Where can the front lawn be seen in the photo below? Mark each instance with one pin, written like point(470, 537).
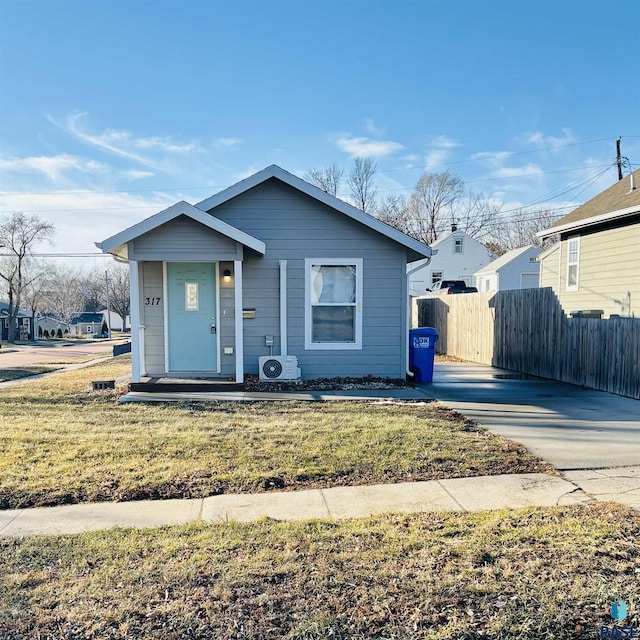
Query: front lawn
point(23, 372)
point(62, 443)
point(529, 574)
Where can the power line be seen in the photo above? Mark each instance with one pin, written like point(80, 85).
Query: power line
point(155, 206)
point(383, 171)
point(61, 255)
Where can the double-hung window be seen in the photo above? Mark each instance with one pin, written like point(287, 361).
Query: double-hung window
point(573, 262)
point(333, 310)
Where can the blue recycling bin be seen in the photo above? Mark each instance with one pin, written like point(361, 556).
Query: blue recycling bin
point(422, 351)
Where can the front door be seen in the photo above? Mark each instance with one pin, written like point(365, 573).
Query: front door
point(192, 317)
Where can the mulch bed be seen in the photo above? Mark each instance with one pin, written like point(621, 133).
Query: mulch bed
point(253, 383)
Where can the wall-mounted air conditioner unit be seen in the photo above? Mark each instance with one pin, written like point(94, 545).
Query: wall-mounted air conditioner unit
point(279, 368)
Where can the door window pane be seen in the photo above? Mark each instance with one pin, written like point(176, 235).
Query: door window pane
point(191, 296)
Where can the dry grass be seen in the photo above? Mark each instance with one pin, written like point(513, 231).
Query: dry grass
point(63, 359)
point(530, 574)
point(61, 443)
point(24, 372)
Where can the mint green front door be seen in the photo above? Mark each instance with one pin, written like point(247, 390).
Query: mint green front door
point(192, 317)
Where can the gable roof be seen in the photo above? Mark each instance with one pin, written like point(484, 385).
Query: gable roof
point(617, 202)
point(452, 234)
point(416, 249)
point(507, 258)
point(87, 317)
point(116, 244)
point(4, 310)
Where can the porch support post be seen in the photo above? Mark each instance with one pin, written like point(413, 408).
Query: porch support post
point(137, 330)
point(237, 276)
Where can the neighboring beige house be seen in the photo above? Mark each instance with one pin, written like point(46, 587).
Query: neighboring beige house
point(596, 264)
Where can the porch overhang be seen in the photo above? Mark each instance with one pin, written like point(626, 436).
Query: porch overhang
point(118, 245)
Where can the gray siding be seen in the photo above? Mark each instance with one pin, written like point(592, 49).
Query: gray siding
point(226, 322)
point(294, 227)
point(152, 318)
point(184, 239)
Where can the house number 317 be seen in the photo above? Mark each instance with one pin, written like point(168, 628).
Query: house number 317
point(151, 302)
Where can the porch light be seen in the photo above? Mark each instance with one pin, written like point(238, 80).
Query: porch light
point(226, 276)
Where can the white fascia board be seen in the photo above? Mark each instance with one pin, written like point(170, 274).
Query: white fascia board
point(587, 222)
point(275, 171)
point(112, 244)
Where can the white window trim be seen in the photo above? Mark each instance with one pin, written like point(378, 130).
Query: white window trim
point(455, 245)
point(334, 346)
point(573, 287)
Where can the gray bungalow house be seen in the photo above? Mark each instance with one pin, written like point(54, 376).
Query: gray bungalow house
point(271, 276)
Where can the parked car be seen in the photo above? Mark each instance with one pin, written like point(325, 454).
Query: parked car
point(448, 287)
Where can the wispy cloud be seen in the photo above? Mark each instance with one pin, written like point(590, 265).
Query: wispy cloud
point(494, 157)
point(367, 148)
point(518, 172)
point(435, 158)
point(53, 167)
point(444, 142)
point(82, 217)
point(496, 162)
point(227, 143)
point(125, 144)
point(438, 152)
point(372, 128)
point(137, 175)
point(540, 139)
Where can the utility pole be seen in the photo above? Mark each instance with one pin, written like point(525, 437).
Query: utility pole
point(619, 159)
point(106, 278)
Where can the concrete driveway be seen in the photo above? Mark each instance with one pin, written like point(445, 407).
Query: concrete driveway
point(571, 427)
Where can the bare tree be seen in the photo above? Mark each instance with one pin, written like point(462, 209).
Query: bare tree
point(93, 286)
point(363, 191)
point(327, 178)
point(33, 292)
point(393, 211)
point(18, 235)
point(62, 293)
point(476, 214)
point(430, 209)
point(519, 229)
point(119, 294)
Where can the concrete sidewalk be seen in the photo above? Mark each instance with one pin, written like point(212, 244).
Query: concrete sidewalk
point(458, 494)
point(404, 394)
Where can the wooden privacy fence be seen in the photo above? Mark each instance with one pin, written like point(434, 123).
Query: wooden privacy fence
point(527, 331)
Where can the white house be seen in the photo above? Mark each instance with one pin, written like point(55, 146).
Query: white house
point(115, 321)
point(456, 256)
point(516, 269)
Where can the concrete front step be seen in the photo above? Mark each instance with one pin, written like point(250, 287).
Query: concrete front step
point(174, 385)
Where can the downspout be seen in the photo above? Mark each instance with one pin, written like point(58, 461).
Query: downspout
point(408, 372)
point(283, 308)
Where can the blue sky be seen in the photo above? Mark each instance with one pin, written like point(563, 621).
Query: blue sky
point(111, 111)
